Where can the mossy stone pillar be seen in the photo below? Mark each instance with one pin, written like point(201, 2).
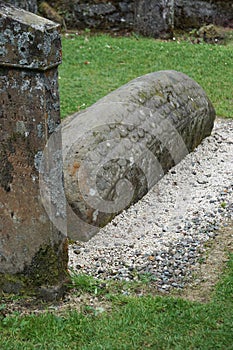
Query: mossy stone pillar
point(33, 251)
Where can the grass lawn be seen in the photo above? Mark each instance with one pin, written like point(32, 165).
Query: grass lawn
point(92, 67)
point(134, 323)
point(95, 65)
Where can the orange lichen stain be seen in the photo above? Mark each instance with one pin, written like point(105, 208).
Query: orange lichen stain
point(73, 169)
point(151, 258)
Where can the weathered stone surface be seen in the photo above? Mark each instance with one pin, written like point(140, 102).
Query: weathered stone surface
point(154, 18)
point(194, 14)
point(117, 149)
point(148, 17)
point(37, 48)
point(157, 18)
point(33, 252)
point(100, 15)
point(28, 5)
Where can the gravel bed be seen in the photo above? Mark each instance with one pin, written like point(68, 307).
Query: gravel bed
point(163, 236)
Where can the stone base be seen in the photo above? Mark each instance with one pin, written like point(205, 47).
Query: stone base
point(45, 278)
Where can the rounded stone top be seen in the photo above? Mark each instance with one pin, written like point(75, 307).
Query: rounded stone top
point(28, 40)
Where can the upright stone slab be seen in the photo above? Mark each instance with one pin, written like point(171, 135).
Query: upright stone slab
point(33, 252)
